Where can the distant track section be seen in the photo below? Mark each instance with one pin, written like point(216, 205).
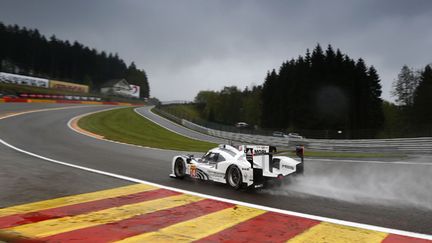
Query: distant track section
point(421, 145)
point(174, 127)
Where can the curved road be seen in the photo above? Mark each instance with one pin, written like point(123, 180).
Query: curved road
point(389, 195)
point(147, 113)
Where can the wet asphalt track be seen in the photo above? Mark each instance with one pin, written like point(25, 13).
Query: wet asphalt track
point(389, 195)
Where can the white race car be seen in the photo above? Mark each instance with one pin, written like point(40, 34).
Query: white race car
point(245, 166)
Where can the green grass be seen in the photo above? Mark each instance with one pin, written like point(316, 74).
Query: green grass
point(186, 111)
point(331, 154)
point(124, 125)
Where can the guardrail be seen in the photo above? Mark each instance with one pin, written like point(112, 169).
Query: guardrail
point(395, 145)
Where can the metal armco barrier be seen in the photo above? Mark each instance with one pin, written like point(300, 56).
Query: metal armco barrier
point(402, 145)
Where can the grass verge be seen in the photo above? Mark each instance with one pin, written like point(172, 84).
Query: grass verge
point(124, 125)
point(185, 111)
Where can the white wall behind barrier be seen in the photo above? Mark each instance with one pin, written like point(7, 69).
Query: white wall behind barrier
point(23, 80)
point(409, 145)
point(405, 145)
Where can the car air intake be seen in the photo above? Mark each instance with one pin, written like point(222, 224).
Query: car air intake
point(275, 163)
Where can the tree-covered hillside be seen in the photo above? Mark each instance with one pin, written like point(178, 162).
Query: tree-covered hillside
point(322, 90)
point(26, 51)
point(412, 90)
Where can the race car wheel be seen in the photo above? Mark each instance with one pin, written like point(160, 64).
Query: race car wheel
point(234, 177)
point(179, 168)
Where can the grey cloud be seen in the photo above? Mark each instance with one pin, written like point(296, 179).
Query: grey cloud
point(187, 46)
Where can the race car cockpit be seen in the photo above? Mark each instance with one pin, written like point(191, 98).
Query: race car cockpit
point(212, 158)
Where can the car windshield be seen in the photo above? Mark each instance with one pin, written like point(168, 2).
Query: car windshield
point(210, 157)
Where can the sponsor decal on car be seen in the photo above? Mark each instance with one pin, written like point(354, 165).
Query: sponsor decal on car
point(249, 154)
point(260, 152)
point(193, 171)
point(216, 174)
point(288, 167)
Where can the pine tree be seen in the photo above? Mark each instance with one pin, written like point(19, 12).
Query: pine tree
point(268, 99)
point(376, 112)
point(404, 86)
point(422, 111)
point(323, 90)
point(26, 51)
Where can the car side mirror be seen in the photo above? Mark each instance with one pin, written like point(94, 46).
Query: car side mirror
point(189, 158)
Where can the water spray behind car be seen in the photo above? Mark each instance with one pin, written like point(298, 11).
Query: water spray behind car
point(363, 182)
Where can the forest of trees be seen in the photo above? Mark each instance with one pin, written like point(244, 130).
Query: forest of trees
point(231, 105)
point(412, 113)
point(26, 51)
point(323, 90)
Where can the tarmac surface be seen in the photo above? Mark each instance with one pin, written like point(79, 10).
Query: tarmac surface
point(147, 113)
point(390, 194)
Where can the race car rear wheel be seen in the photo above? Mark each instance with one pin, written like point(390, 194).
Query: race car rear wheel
point(179, 168)
point(234, 177)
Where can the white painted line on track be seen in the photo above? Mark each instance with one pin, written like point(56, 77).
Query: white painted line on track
point(313, 217)
point(184, 135)
point(323, 160)
point(187, 128)
point(311, 159)
point(221, 138)
point(40, 110)
point(112, 141)
point(169, 129)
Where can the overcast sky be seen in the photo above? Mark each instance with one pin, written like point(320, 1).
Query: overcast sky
point(191, 45)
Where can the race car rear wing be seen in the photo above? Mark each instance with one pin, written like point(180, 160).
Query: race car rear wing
point(260, 156)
